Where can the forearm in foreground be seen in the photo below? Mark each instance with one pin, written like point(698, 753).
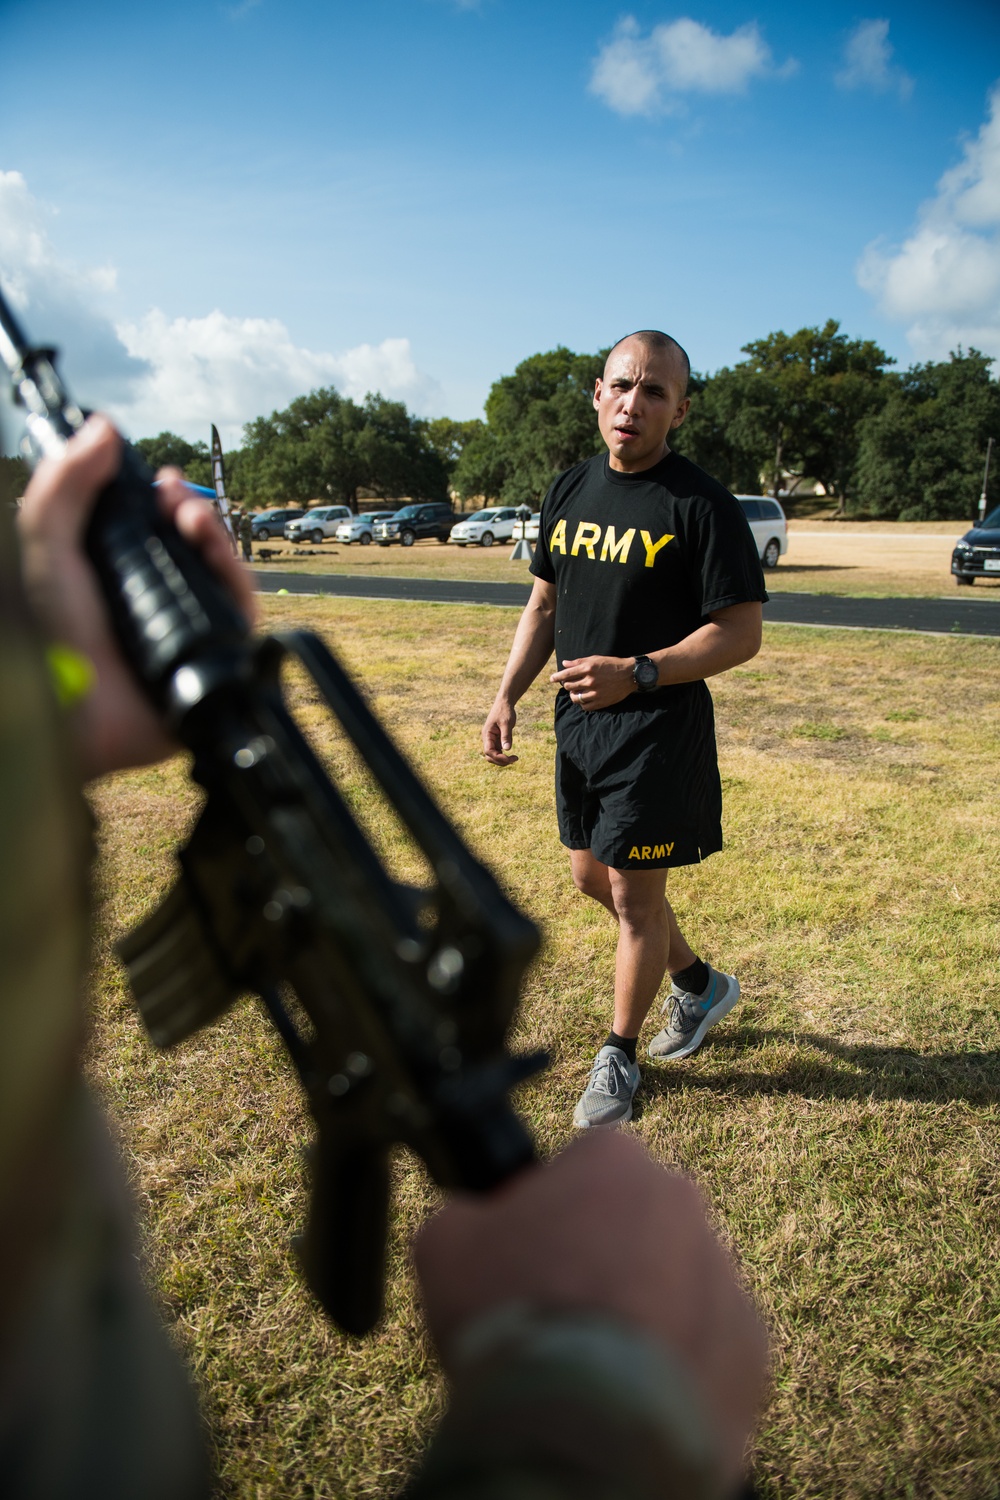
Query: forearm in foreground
point(558, 1406)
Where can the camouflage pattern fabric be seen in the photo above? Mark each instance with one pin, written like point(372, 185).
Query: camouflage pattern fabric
point(93, 1401)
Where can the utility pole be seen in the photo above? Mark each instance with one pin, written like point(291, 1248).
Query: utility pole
point(986, 480)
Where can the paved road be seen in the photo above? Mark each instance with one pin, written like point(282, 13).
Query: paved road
point(959, 616)
point(937, 616)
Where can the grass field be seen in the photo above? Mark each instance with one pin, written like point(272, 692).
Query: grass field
point(873, 559)
point(844, 1122)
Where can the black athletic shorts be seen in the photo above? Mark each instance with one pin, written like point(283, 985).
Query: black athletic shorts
point(638, 784)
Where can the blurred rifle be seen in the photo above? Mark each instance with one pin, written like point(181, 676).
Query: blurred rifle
point(402, 996)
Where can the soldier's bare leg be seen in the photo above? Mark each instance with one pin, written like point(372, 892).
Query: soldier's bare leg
point(649, 939)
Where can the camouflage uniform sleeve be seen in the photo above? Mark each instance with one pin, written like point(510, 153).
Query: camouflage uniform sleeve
point(93, 1401)
point(555, 1407)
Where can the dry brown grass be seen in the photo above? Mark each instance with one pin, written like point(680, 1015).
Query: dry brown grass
point(843, 1123)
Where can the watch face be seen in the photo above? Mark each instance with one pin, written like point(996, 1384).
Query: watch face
point(646, 674)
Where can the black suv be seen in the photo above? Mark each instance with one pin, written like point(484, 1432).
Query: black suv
point(415, 521)
point(977, 555)
point(272, 523)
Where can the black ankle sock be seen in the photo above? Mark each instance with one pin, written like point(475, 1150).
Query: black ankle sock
point(694, 978)
point(624, 1044)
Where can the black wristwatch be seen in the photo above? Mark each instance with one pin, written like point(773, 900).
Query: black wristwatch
point(646, 674)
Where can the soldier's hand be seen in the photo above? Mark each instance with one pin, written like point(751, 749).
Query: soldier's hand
point(113, 724)
point(602, 1228)
point(597, 681)
point(498, 734)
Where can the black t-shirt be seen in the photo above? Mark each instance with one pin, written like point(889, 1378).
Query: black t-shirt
point(640, 560)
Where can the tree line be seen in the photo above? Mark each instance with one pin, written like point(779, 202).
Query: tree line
point(814, 405)
point(326, 446)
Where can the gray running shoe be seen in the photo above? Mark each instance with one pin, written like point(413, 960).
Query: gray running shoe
point(611, 1087)
point(690, 1016)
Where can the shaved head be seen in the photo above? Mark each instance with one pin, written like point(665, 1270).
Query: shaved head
point(652, 338)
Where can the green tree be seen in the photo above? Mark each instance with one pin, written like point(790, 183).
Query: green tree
point(169, 449)
point(397, 454)
point(816, 386)
point(726, 431)
point(481, 467)
point(305, 452)
point(449, 438)
point(539, 421)
point(324, 445)
point(920, 458)
point(232, 462)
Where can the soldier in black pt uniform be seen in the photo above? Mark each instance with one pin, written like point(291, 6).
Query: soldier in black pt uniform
point(647, 581)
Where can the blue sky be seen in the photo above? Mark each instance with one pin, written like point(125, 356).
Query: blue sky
point(214, 206)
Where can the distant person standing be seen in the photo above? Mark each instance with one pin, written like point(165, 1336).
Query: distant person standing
point(647, 581)
point(246, 535)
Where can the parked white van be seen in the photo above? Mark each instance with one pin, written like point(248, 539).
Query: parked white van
point(769, 527)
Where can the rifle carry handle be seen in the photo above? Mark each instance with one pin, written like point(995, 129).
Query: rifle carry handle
point(167, 607)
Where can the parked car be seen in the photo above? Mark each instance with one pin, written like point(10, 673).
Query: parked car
point(527, 530)
point(359, 528)
point(317, 524)
point(271, 523)
point(769, 527)
point(486, 527)
point(977, 553)
point(415, 521)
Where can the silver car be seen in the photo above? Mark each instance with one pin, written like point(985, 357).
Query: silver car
point(316, 525)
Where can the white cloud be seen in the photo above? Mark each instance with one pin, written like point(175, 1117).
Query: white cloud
point(387, 367)
point(180, 374)
point(61, 303)
point(227, 370)
point(645, 75)
point(944, 280)
point(868, 62)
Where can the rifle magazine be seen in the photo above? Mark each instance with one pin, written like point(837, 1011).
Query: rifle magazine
point(177, 980)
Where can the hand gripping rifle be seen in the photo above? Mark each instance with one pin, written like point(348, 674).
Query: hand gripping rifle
point(404, 995)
